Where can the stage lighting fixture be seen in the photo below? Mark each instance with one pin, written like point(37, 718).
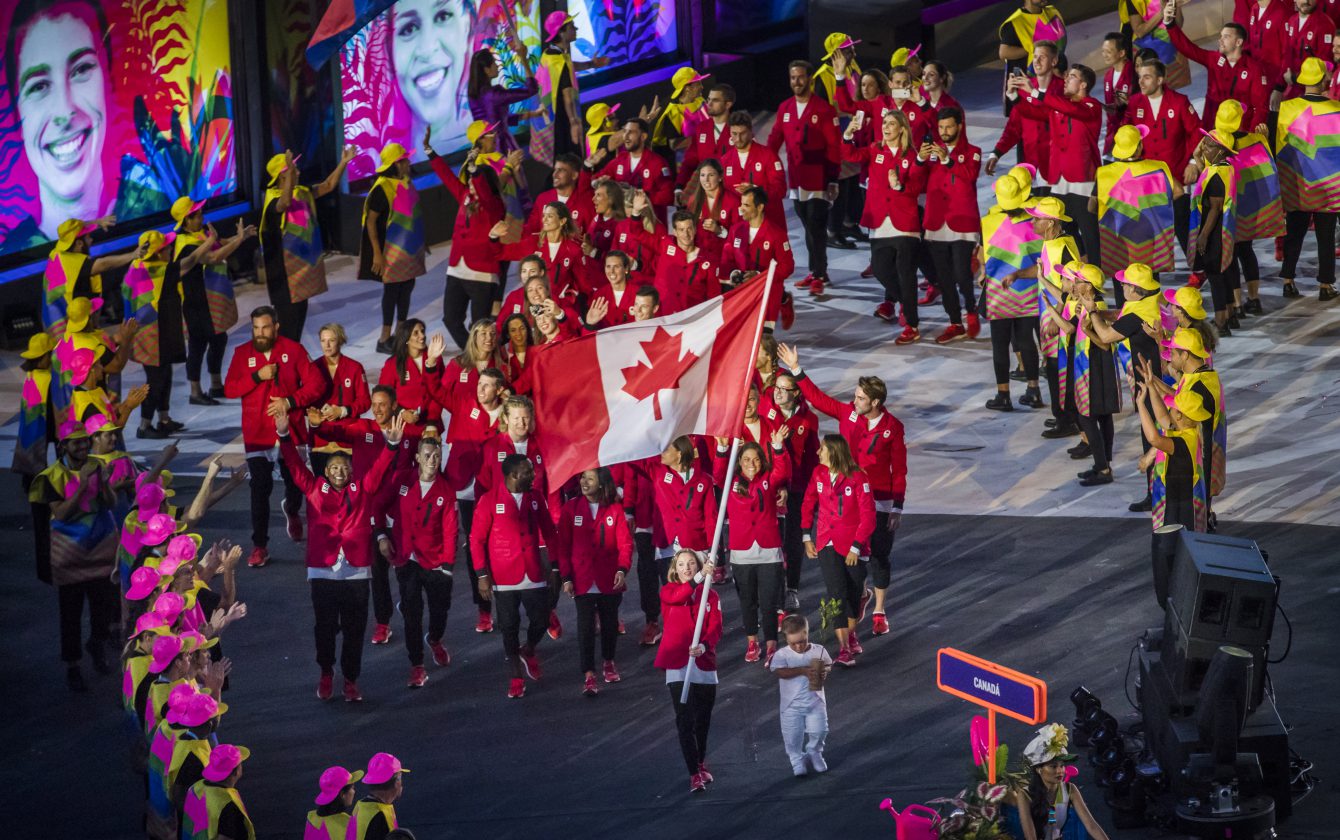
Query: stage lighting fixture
point(1120, 777)
point(1105, 731)
point(1110, 756)
point(1163, 550)
point(1086, 705)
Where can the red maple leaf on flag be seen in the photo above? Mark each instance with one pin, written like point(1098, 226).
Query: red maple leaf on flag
point(662, 374)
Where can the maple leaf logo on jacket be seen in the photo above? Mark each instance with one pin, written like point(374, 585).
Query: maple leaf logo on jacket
point(662, 374)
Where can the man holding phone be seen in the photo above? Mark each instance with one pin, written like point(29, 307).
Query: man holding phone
point(1031, 137)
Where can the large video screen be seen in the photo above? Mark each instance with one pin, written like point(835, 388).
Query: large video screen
point(409, 69)
point(110, 107)
point(626, 32)
point(742, 17)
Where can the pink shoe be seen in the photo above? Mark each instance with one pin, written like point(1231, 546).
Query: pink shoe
point(531, 663)
point(555, 627)
point(705, 774)
point(589, 687)
point(879, 625)
point(696, 783)
point(325, 687)
point(751, 652)
point(854, 644)
point(845, 658)
point(381, 634)
point(441, 656)
point(417, 677)
point(516, 689)
point(611, 673)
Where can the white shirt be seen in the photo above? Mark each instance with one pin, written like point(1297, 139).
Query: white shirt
point(342, 570)
point(794, 692)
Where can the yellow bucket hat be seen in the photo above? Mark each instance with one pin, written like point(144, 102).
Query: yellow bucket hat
point(1127, 141)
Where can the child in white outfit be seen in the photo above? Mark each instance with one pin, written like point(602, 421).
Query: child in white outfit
point(804, 711)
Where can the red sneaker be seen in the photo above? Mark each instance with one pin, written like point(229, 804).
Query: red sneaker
point(611, 673)
point(884, 311)
point(485, 622)
point(781, 615)
point(325, 687)
point(651, 634)
point(772, 651)
point(931, 296)
point(696, 783)
point(879, 625)
point(867, 272)
point(516, 689)
point(751, 652)
point(441, 656)
point(704, 773)
point(531, 663)
point(866, 595)
point(902, 319)
point(974, 325)
point(259, 557)
point(910, 335)
point(854, 644)
point(788, 310)
point(805, 283)
point(845, 658)
point(418, 675)
point(718, 575)
point(381, 634)
point(1196, 280)
point(953, 332)
point(817, 287)
point(589, 686)
point(351, 692)
point(293, 521)
point(623, 631)
point(555, 627)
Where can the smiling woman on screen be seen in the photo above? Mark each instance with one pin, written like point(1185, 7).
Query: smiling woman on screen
point(430, 51)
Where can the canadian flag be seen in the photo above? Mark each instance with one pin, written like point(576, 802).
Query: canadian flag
point(623, 393)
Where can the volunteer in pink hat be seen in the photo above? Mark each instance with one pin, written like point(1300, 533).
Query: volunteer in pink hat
point(178, 755)
point(330, 819)
point(374, 815)
point(558, 86)
point(212, 807)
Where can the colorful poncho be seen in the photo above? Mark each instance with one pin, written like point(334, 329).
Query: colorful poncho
point(1159, 484)
point(1010, 246)
point(303, 266)
point(1050, 262)
point(141, 290)
point(1228, 221)
point(1259, 211)
point(58, 287)
point(550, 75)
point(404, 248)
point(1135, 215)
point(1030, 28)
point(31, 445)
point(1307, 145)
point(1178, 70)
point(218, 285)
point(1218, 466)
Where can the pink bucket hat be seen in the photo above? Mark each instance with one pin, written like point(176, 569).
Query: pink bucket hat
point(382, 767)
point(149, 496)
point(169, 605)
point(150, 621)
point(554, 23)
point(333, 781)
point(165, 650)
point(196, 711)
point(223, 760)
point(158, 530)
point(144, 582)
point(180, 695)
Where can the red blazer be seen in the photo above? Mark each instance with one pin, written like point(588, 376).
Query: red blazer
point(475, 217)
point(1249, 81)
point(761, 168)
point(619, 312)
point(883, 201)
point(348, 388)
point(640, 246)
point(1074, 128)
point(580, 202)
point(679, 615)
point(455, 377)
point(1303, 39)
point(841, 512)
point(364, 437)
point(880, 452)
point(752, 507)
point(425, 525)
point(1035, 136)
point(1174, 132)
point(338, 520)
point(592, 548)
point(495, 449)
point(770, 244)
point(471, 425)
point(725, 212)
point(706, 141)
point(1265, 31)
point(599, 232)
point(651, 175)
point(635, 493)
point(412, 388)
point(922, 119)
point(566, 266)
point(515, 304)
point(1114, 83)
point(951, 190)
point(873, 110)
point(505, 538)
point(685, 282)
point(811, 139)
point(295, 380)
point(803, 445)
point(685, 511)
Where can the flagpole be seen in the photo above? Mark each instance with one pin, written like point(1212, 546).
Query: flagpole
point(725, 487)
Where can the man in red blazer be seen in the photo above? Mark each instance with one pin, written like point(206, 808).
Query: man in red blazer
point(953, 224)
point(638, 166)
point(709, 137)
point(1174, 131)
point(749, 164)
point(572, 186)
point(686, 274)
point(754, 244)
point(272, 375)
point(509, 522)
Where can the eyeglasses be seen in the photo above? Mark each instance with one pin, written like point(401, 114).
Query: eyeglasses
point(784, 390)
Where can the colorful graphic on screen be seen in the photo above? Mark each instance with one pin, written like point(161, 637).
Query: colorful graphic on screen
point(408, 70)
point(624, 31)
point(110, 107)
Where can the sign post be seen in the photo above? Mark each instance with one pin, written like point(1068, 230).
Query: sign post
point(995, 688)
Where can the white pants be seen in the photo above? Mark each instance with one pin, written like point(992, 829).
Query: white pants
point(804, 730)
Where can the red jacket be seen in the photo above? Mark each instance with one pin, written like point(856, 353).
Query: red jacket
point(770, 244)
point(640, 246)
point(580, 201)
point(620, 310)
point(751, 507)
point(1074, 127)
point(1249, 81)
point(348, 387)
point(295, 380)
point(412, 390)
point(338, 520)
point(1309, 38)
point(880, 452)
point(725, 212)
point(425, 524)
point(679, 616)
point(565, 264)
point(762, 168)
point(803, 445)
point(685, 282)
point(811, 138)
point(505, 538)
point(471, 425)
point(1174, 132)
point(492, 453)
point(599, 232)
point(365, 438)
point(651, 175)
point(1265, 31)
point(635, 493)
point(921, 117)
point(873, 119)
point(707, 141)
point(686, 511)
point(1113, 84)
point(516, 304)
point(475, 217)
point(840, 511)
point(593, 547)
point(951, 190)
point(1035, 135)
point(882, 201)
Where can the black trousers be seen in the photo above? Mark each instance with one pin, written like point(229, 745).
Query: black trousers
point(103, 609)
point(395, 301)
point(1297, 222)
point(813, 215)
point(588, 607)
point(41, 515)
point(1098, 430)
point(536, 603)
point(648, 577)
point(382, 604)
point(953, 264)
point(844, 583)
point(793, 538)
point(881, 552)
point(466, 511)
point(759, 586)
point(1181, 218)
point(418, 585)
point(341, 607)
point(894, 261)
point(262, 481)
point(693, 719)
point(159, 380)
point(1085, 225)
point(1064, 412)
point(461, 295)
point(1016, 332)
point(292, 316)
point(844, 213)
point(205, 350)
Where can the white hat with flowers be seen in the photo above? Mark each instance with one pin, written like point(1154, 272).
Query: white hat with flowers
point(1048, 745)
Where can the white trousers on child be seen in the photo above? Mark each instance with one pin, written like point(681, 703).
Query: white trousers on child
point(804, 730)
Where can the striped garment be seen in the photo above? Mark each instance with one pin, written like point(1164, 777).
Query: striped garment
point(1228, 221)
point(1260, 213)
point(218, 285)
point(303, 266)
point(1009, 246)
point(1158, 487)
point(1308, 148)
point(1135, 215)
point(404, 248)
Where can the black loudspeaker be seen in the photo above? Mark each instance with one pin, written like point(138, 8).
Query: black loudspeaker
point(1188, 661)
point(1164, 551)
point(1222, 590)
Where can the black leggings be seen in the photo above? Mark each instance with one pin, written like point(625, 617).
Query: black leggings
point(894, 261)
point(844, 214)
point(41, 516)
point(475, 294)
point(205, 350)
point(793, 538)
point(382, 604)
point(262, 479)
point(881, 552)
point(845, 584)
point(588, 606)
point(1098, 429)
point(648, 581)
point(1085, 225)
point(759, 586)
point(466, 511)
point(813, 216)
point(693, 719)
point(159, 380)
point(1297, 222)
point(341, 608)
point(1018, 332)
point(103, 605)
point(953, 265)
point(395, 301)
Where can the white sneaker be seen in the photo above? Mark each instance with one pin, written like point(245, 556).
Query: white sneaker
point(817, 762)
point(798, 767)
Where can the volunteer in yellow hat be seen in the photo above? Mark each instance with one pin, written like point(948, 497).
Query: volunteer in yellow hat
point(1211, 246)
point(393, 246)
point(1172, 425)
point(1058, 250)
point(33, 445)
point(686, 98)
point(1307, 196)
point(154, 302)
point(599, 125)
point(839, 60)
point(71, 272)
point(1092, 376)
point(1010, 302)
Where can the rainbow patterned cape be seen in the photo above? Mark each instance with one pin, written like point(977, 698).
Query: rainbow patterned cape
point(30, 450)
point(550, 73)
point(1135, 215)
point(1307, 144)
point(140, 290)
point(218, 285)
point(1260, 214)
point(1228, 227)
point(1219, 425)
point(1179, 73)
point(1009, 246)
point(1050, 263)
point(1030, 28)
point(60, 276)
point(404, 247)
point(301, 242)
point(1159, 485)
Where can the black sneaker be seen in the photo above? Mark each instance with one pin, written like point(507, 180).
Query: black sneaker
point(150, 433)
point(1234, 323)
point(1291, 291)
point(1253, 307)
point(1224, 331)
point(1079, 453)
point(1032, 398)
point(1096, 479)
point(171, 427)
point(1061, 431)
point(1327, 293)
point(203, 400)
point(1050, 422)
point(856, 233)
point(1145, 505)
point(1086, 473)
point(1018, 375)
point(1000, 402)
point(217, 393)
point(384, 347)
point(840, 242)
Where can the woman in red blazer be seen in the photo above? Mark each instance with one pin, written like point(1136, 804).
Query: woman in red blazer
point(754, 501)
point(407, 370)
point(680, 599)
point(559, 245)
point(482, 351)
point(344, 393)
point(595, 551)
point(685, 514)
point(838, 517)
